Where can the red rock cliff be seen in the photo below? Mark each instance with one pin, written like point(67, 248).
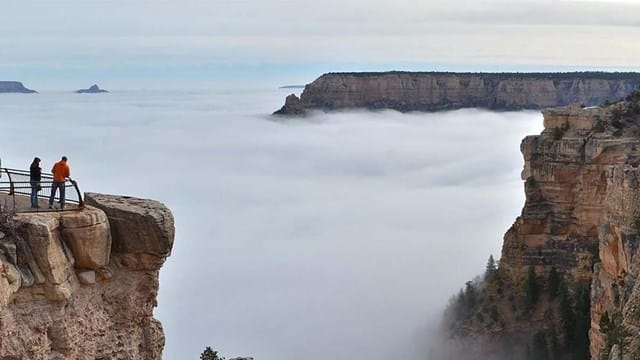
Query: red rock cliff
point(83, 284)
point(567, 283)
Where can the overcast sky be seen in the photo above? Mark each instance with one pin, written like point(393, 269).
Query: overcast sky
point(173, 42)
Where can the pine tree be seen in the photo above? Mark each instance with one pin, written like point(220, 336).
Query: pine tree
point(530, 291)
point(539, 350)
point(567, 317)
point(491, 270)
point(470, 297)
point(554, 283)
point(554, 346)
point(583, 321)
point(209, 354)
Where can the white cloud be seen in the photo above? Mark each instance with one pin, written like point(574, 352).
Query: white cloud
point(342, 234)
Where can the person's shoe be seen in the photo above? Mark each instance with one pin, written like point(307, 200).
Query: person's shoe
point(50, 206)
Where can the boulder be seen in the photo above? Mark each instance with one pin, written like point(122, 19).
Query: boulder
point(88, 234)
point(141, 227)
point(87, 277)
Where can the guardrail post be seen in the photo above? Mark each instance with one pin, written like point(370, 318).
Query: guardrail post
point(80, 200)
point(12, 190)
point(11, 186)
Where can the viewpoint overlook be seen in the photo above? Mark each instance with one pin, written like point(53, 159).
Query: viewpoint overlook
point(80, 283)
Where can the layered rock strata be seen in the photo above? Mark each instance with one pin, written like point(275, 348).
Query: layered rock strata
point(83, 284)
point(433, 91)
point(14, 87)
point(576, 243)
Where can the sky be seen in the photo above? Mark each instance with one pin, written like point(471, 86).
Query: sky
point(198, 43)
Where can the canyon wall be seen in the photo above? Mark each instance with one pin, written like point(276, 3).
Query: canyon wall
point(433, 91)
point(566, 286)
point(83, 284)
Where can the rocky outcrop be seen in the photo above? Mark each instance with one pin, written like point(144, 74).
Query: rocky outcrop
point(93, 89)
point(83, 284)
point(567, 282)
point(433, 91)
point(14, 87)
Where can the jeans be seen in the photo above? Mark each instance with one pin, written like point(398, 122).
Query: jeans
point(34, 193)
point(54, 186)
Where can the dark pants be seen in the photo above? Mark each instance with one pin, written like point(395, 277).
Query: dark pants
point(34, 192)
point(54, 186)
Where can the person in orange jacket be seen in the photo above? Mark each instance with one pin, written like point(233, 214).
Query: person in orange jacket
point(60, 172)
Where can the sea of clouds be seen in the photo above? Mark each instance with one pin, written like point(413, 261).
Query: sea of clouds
point(336, 236)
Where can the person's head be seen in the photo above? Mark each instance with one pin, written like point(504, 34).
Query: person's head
point(64, 158)
point(36, 160)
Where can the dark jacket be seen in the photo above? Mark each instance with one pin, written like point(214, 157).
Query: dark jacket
point(35, 172)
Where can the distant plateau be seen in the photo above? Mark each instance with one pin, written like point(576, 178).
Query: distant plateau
point(437, 91)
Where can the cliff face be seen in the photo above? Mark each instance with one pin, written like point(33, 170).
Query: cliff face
point(406, 91)
point(83, 284)
point(14, 87)
point(567, 282)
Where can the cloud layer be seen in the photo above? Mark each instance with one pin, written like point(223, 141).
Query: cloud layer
point(340, 235)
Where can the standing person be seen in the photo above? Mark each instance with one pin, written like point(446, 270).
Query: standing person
point(60, 172)
point(35, 175)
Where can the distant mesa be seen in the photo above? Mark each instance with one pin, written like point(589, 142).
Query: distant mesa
point(292, 87)
point(439, 91)
point(14, 87)
point(94, 89)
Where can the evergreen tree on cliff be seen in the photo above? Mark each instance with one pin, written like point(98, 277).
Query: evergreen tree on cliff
point(209, 354)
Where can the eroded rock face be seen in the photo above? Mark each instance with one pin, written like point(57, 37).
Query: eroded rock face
point(142, 229)
point(581, 220)
point(432, 91)
point(66, 290)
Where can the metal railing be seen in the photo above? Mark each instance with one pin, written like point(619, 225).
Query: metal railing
point(17, 182)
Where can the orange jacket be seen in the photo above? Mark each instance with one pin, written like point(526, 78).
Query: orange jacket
point(60, 171)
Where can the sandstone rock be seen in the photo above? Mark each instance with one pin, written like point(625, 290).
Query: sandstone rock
point(10, 282)
point(104, 273)
point(292, 106)
point(9, 250)
point(87, 277)
point(581, 218)
point(89, 235)
point(433, 91)
point(138, 226)
point(48, 250)
point(46, 313)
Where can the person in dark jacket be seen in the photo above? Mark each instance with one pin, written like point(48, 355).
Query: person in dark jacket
point(35, 175)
